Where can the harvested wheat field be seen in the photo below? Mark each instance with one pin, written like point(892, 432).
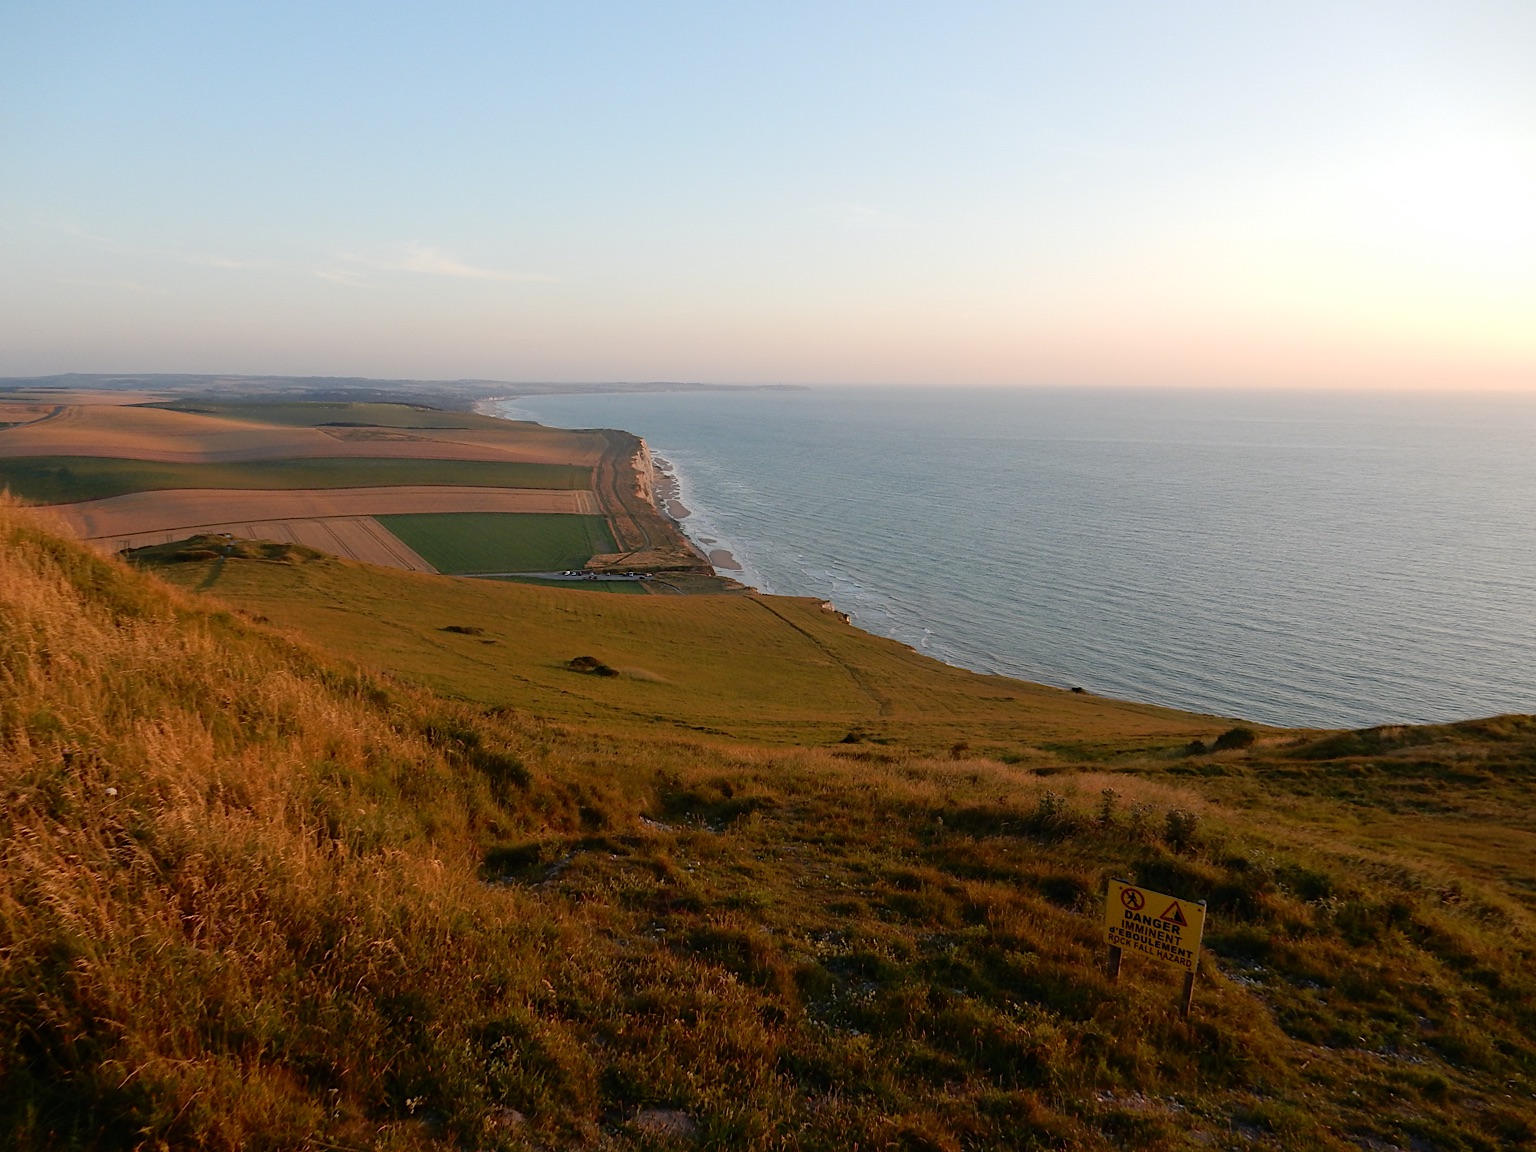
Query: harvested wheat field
point(152, 434)
point(52, 398)
point(144, 514)
point(79, 460)
point(359, 538)
point(14, 412)
point(185, 437)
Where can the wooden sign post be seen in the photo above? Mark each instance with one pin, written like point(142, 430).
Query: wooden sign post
point(1155, 924)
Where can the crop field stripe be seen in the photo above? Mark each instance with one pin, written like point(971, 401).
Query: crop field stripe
point(71, 479)
point(214, 509)
point(469, 543)
point(309, 414)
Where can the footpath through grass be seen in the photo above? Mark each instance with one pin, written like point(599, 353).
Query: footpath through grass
point(469, 543)
point(66, 479)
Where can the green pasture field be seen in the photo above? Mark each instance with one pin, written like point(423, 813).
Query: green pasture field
point(300, 414)
point(65, 479)
point(761, 667)
point(469, 543)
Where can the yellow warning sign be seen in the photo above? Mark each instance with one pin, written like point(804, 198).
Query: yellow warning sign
point(1154, 924)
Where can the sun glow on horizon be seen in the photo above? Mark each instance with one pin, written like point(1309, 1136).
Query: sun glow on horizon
point(1465, 201)
point(1313, 194)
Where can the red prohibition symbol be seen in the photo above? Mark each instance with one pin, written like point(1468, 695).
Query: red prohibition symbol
point(1132, 899)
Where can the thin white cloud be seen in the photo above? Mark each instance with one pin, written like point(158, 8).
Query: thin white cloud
point(866, 216)
point(427, 260)
point(336, 276)
point(354, 269)
point(113, 285)
point(176, 255)
point(203, 260)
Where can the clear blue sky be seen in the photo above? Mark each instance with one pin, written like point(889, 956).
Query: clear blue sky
point(1338, 193)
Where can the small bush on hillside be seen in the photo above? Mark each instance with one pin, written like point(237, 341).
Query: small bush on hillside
point(1107, 799)
point(1239, 737)
point(1052, 816)
point(1179, 829)
point(1140, 820)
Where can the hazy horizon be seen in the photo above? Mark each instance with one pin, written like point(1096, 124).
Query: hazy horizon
point(1302, 195)
point(1514, 391)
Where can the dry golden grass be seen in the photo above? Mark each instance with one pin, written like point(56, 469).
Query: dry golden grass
point(250, 898)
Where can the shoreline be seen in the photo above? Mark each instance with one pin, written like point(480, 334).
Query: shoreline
point(657, 482)
point(667, 492)
point(662, 488)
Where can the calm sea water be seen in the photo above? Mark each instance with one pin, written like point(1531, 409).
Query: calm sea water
point(1314, 559)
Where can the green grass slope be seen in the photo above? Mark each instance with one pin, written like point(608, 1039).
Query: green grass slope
point(252, 898)
point(760, 667)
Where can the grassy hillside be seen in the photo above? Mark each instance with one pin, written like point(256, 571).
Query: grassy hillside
point(64, 479)
point(774, 668)
point(252, 898)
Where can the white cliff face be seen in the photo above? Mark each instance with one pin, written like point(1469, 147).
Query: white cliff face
point(645, 474)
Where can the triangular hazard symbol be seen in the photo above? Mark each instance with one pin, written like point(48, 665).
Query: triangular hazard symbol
point(1176, 914)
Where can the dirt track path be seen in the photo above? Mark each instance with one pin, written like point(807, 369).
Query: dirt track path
point(879, 699)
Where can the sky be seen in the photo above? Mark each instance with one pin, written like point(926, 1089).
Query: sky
point(1226, 193)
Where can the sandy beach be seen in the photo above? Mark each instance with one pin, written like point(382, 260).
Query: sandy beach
point(721, 558)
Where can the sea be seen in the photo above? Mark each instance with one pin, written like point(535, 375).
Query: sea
point(1325, 559)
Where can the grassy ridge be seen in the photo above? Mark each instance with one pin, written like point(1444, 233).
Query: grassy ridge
point(252, 899)
point(471, 542)
point(65, 479)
